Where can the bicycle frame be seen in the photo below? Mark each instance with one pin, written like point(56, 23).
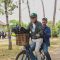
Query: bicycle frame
point(30, 49)
point(29, 52)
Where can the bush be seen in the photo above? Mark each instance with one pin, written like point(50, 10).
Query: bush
point(13, 34)
point(54, 31)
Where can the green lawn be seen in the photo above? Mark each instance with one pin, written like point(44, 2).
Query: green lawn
point(6, 54)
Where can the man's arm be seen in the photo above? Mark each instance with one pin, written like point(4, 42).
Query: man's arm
point(40, 30)
point(47, 33)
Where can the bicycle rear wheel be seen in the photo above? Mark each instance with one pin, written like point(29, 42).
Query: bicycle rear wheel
point(23, 56)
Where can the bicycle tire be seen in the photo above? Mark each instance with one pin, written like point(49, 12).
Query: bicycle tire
point(22, 57)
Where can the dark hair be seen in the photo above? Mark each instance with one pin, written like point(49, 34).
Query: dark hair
point(44, 19)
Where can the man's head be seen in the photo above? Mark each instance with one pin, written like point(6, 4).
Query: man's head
point(44, 21)
point(33, 17)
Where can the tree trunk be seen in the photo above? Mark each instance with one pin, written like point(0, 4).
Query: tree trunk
point(8, 28)
point(28, 7)
point(19, 12)
point(22, 1)
point(43, 8)
point(54, 14)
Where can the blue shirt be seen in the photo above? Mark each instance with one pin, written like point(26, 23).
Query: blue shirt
point(46, 35)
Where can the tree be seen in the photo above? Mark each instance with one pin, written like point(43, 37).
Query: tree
point(9, 7)
point(54, 14)
point(9, 35)
point(28, 7)
point(19, 12)
point(43, 8)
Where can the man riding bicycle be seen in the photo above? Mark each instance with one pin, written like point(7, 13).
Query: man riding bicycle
point(36, 33)
point(39, 34)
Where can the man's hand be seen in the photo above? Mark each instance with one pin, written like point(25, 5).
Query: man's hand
point(37, 35)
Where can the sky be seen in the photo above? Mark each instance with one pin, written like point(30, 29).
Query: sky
point(35, 7)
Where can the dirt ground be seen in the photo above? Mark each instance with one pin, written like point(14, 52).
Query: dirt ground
point(55, 49)
point(6, 54)
point(55, 54)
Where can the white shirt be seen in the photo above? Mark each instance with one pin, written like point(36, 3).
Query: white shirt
point(34, 26)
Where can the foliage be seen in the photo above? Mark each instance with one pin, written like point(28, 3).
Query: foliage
point(13, 23)
point(49, 24)
point(13, 34)
point(55, 31)
point(58, 26)
point(10, 6)
point(24, 24)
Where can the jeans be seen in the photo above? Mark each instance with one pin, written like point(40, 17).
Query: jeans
point(30, 51)
point(45, 49)
point(36, 45)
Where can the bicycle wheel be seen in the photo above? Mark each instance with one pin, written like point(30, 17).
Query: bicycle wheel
point(23, 56)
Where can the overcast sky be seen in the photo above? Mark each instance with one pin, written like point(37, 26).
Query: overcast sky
point(35, 6)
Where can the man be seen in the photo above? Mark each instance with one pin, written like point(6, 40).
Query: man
point(2, 35)
point(46, 37)
point(36, 33)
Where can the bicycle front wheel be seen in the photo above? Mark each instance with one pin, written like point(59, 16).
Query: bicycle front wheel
point(23, 56)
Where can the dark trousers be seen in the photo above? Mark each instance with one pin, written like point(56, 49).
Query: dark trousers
point(48, 56)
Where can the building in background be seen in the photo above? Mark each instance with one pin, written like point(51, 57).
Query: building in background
point(2, 26)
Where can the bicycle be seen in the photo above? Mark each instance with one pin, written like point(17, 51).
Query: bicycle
point(27, 54)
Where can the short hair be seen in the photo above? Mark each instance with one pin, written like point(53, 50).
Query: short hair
point(45, 19)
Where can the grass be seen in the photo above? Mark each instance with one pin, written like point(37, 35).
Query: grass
point(6, 54)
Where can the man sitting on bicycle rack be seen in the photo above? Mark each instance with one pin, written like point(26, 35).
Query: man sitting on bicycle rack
point(46, 37)
point(36, 33)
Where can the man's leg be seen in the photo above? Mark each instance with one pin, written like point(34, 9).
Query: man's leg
point(45, 49)
point(32, 46)
point(38, 44)
point(37, 48)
